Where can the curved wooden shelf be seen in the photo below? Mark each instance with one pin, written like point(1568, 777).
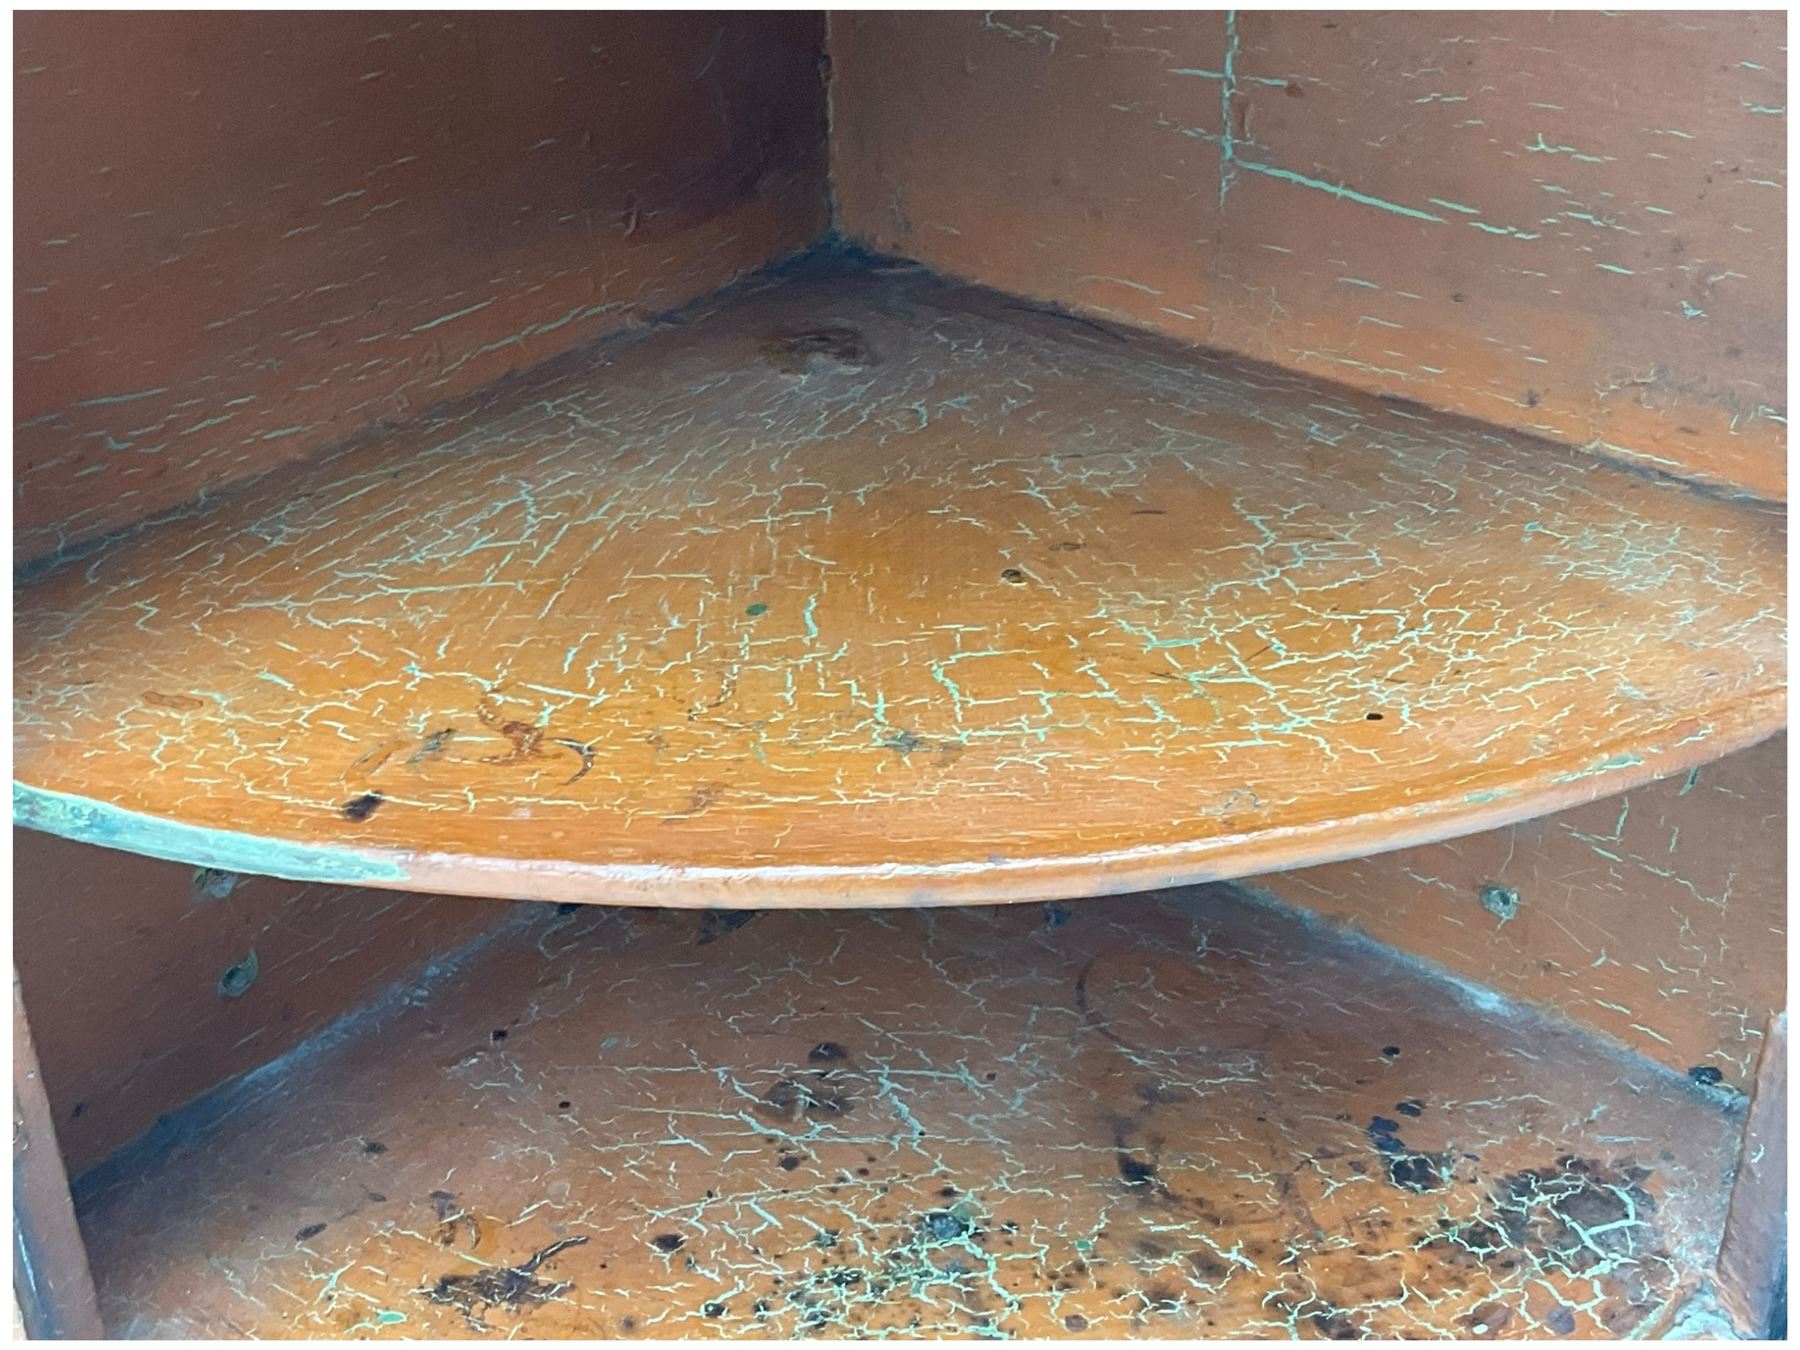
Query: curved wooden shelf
point(876, 589)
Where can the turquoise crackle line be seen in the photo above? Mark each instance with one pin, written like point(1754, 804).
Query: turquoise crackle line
point(91, 822)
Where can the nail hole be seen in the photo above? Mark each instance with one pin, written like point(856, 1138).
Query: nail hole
point(236, 980)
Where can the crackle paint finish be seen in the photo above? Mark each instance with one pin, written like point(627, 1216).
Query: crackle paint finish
point(860, 587)
point(1570, 223)
point(1158, 1116)
point(240, 237)
point(125, 961)
point(1658, 917)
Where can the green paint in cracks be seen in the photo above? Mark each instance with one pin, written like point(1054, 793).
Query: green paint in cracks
point(91, 822)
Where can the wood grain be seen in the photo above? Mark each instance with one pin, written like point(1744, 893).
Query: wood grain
point(871, 589)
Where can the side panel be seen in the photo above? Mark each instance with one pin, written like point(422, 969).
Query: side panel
point(1572, 223)
point(1658, 917)
point(241, 236)
point(147, 986)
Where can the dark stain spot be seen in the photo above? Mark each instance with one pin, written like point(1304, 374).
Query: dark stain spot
point(1561, 1321)
point(563, 1106)
point(1065, 546)
point(1390, 1051)
point(789, 1163)
point(716, 923)
point(1574, 1217)
point(1372, 717)
point(668, 1243)
point(77, 1111)
point(1412, 1107)
point(1335, 1326)
point(513, 1288)
point(1135, 1171)
point(790, 1101)
point(374, 1146)
point(712, 1310)
point(497, 1035)
point(1294, 89)
point(827, 1052)
point(361, 808)
point(1075, 1322)
point(1458, 298)
point(1012, 575)
point(1706, 1075)
point(173, 702)
point(1406, 1169)
point(306, 1234)
point(1149, 511)
point(798, 353)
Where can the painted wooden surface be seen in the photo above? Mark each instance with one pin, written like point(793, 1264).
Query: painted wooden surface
point(864, 588)
point(242, 236)
point(1571, 223)
point(1658, 917)
point(1160, 1116)
point(1752, 1269)
point(53, 1290)
point(151, 985)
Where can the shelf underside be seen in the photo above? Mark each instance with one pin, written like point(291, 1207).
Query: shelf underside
point(1174, 1115)
point(873, 588)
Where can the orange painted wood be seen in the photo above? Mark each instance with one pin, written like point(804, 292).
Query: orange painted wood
point(874, 589)
point(1658, 917)
point(1570, 223)
point(53, 1290)
point(241, 237)
point(1158, 1116)
point(154, 983)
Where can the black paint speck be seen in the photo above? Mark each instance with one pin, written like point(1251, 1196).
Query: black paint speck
point(497, 1035)
point(1390, 1051)
point(668, 1242)
point(374, 1146)
point(1013, 575)
point(1705, 1075)
point(361, 808)
point(312, 1230)
point(1411, 1108)
point(713, 1310)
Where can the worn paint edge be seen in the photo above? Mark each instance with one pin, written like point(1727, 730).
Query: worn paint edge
point(986, 881)
point(92, 822)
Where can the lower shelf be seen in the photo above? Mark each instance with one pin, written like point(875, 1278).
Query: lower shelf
point(1172, 1115)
